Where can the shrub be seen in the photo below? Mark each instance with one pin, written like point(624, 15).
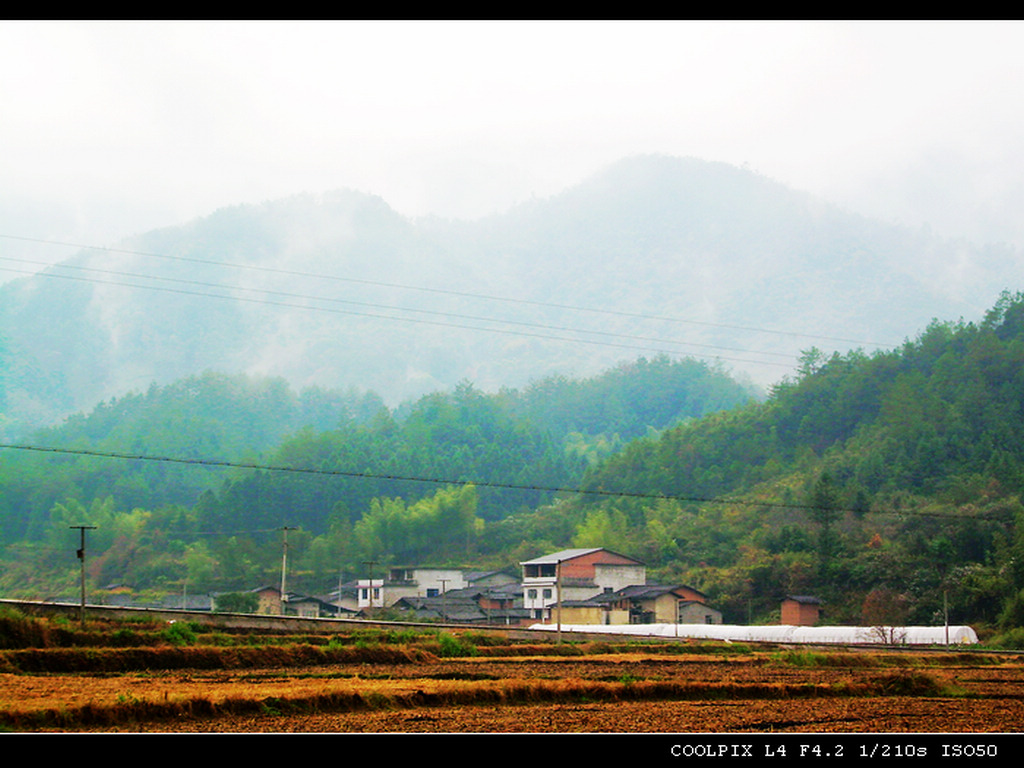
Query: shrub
point(453, 646)
point(126, 638)
point(179, 633)
point(237, 602)
point(20, 631)
point(910, 684)
point(1010, 640)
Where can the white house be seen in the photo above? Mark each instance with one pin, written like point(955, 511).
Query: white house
point(576, 574)
point(422, 582)
point(370, 593)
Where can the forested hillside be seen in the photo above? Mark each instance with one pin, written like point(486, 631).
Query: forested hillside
point(207, 417)
point(885, 483)
point(247, 457)
point(884, 479)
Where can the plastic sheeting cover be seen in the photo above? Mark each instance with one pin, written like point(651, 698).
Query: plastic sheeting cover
point(784, 633)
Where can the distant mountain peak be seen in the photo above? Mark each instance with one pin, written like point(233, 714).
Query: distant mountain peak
point(653, 254)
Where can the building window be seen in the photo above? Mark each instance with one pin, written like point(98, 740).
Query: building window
point(547, 594)
point(537, 571)
point(532, 594)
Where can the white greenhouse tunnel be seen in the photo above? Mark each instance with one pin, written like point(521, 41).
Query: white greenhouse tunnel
point(784, 633)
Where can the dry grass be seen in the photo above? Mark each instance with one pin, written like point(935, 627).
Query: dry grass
point(76, 702)
point(369, 683)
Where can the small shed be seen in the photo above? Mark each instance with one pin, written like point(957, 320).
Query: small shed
point(801, 610)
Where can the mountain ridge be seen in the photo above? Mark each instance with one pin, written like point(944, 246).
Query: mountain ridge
point(340, 290)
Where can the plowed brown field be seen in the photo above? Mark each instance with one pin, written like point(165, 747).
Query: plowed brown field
point(850, 692)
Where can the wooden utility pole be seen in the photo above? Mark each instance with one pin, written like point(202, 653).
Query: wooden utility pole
point(558, 597)
point(369, 589)
point(81, 558)
point(284, 564)
point(945, 611)
point(341, 573)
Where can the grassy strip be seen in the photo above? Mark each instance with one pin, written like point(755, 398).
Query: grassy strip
point(849, 660)
point(127, 712)
point(38, 660)
point(295, 654)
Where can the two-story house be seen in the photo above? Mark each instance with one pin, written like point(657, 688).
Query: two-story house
point(576, 574)
point(598, 586)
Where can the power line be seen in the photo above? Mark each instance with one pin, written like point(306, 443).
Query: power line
point(410, 320)
point(601, 492)
point(332, 300)
point(442, 291)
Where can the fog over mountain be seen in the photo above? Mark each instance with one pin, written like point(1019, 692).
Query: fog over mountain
point(654, 254)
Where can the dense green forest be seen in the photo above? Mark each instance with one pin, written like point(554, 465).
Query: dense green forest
point(888, 484)
point(355, 479)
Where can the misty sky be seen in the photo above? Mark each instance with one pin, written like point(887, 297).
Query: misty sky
point(113, 128)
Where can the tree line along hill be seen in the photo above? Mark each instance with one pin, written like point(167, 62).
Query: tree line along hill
point(887, 484)
point(192, 481)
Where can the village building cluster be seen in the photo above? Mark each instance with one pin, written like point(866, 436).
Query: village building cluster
point(588, 586)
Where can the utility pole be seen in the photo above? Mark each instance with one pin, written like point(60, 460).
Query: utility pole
point(340, 575)
point(81, 558)
point(558, 598)
point(945, 611)
point(369, 589)
point(284, 564)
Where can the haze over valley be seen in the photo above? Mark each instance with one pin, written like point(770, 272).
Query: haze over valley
point(653, 255)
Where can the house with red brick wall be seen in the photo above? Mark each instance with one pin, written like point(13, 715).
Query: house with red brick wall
point(801, 610)
point(576, 574)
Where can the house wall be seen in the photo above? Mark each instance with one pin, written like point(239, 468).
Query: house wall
point(349, 601)
point(269, 602)
point(440, 579)
point(582, 577)
point(421, 582)
point(698, 613)
point(619, 575)
point(306, 609)
point(370, 593)
point(392, 593)
point(618, 616)
point(799, 614)
point(538, 594)
point(578, 592)
point(543, 594)
point(666, 609)
point(688, 593)
point(495, 580)
point(585, 566)
point(495, 604)
point(590, 614)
